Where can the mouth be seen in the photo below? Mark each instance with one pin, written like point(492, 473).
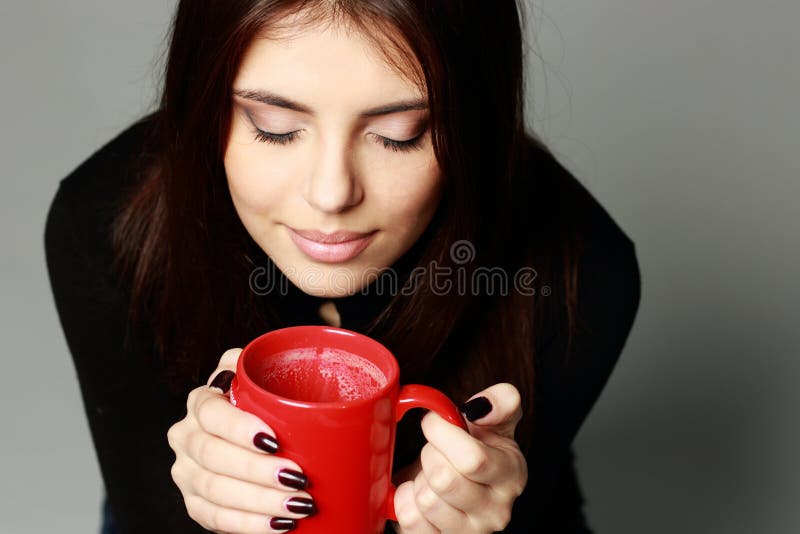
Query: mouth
point(335, 247)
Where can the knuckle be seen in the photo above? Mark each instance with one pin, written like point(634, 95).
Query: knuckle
point(175, 473)
point(406, 519)
point(520, 485)
point(517, 489)
point(408, 516)
point(475, 463)
point(506, 494)
point(204, 484)
point(192, 446)
point(203, 451)
point(196, 509)
point(428, 457)
point(424, 497)
point(425, 501)
point(442, 480)
point(520, 481)
point(403, 512)
point(491, 522)
point(204, 411)
point(215, 518)
point(171, 437)
point(213, 487)
point(194, 514)
point(191, 399)
point(500, 520)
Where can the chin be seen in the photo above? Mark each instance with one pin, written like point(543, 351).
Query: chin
point(340, 280)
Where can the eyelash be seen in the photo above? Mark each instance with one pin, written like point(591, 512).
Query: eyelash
point(389, 144)
point(276, 139)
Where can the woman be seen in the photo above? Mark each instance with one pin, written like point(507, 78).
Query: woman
point(398, 124)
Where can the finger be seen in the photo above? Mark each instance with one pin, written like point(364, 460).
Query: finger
point(468, 455)
point(449, 485)
point(504, 409)
point(226, 369)
point(221, 519)
point(233, 493)
point(437, 511)
point(219, 456)
point(216, 415)
point(409, 517)
point(229, 359)
point(222, 381)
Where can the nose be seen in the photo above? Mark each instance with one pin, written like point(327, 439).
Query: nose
point(332, 186)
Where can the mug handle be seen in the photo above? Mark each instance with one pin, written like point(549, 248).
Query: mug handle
point(418, 396)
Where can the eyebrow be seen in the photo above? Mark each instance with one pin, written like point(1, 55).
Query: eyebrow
point(266, 97)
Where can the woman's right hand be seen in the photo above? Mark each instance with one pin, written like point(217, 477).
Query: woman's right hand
point(230, 481)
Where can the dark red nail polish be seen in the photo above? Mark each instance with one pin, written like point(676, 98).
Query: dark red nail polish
point(292, 479)
point(265, 442)
point(476, 408)
point(282, 523)
point(301, 505)
point(223, 381)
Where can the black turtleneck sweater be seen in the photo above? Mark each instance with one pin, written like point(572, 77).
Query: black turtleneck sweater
point(129, 413)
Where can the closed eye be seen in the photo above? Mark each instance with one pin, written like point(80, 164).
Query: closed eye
point(277, 139)
point(389, 144)
point(409, 144)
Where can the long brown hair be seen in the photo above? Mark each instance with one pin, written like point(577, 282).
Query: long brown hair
point(185, 259)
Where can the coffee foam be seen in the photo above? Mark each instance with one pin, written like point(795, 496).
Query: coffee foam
point(321, 375)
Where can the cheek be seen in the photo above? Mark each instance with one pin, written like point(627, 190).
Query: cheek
point(257, 184)
point(410, 198)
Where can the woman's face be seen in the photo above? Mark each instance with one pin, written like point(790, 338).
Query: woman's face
point(326, 137)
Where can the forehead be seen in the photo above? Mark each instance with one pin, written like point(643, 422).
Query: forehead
point(323, 65)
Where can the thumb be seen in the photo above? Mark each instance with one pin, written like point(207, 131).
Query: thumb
point(226, 369)
point(497, 408)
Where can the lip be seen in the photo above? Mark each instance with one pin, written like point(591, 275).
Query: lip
point(336, 247)
point(340, 236)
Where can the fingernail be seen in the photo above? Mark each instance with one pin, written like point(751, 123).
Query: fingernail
point(476, 408)
point(301, 505)
point(282, 523)
point(223, 381)
point(292, 479)
point(265, 442)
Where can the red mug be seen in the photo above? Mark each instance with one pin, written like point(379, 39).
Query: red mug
point(333, 398)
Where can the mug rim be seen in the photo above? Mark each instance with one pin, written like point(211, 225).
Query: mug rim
point(392, 378)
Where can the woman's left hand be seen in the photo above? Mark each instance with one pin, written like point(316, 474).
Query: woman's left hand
point(465, 482)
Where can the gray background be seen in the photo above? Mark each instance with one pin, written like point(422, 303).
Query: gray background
point(681, 117)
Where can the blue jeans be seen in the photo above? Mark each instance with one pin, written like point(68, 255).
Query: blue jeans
point(109, 525)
